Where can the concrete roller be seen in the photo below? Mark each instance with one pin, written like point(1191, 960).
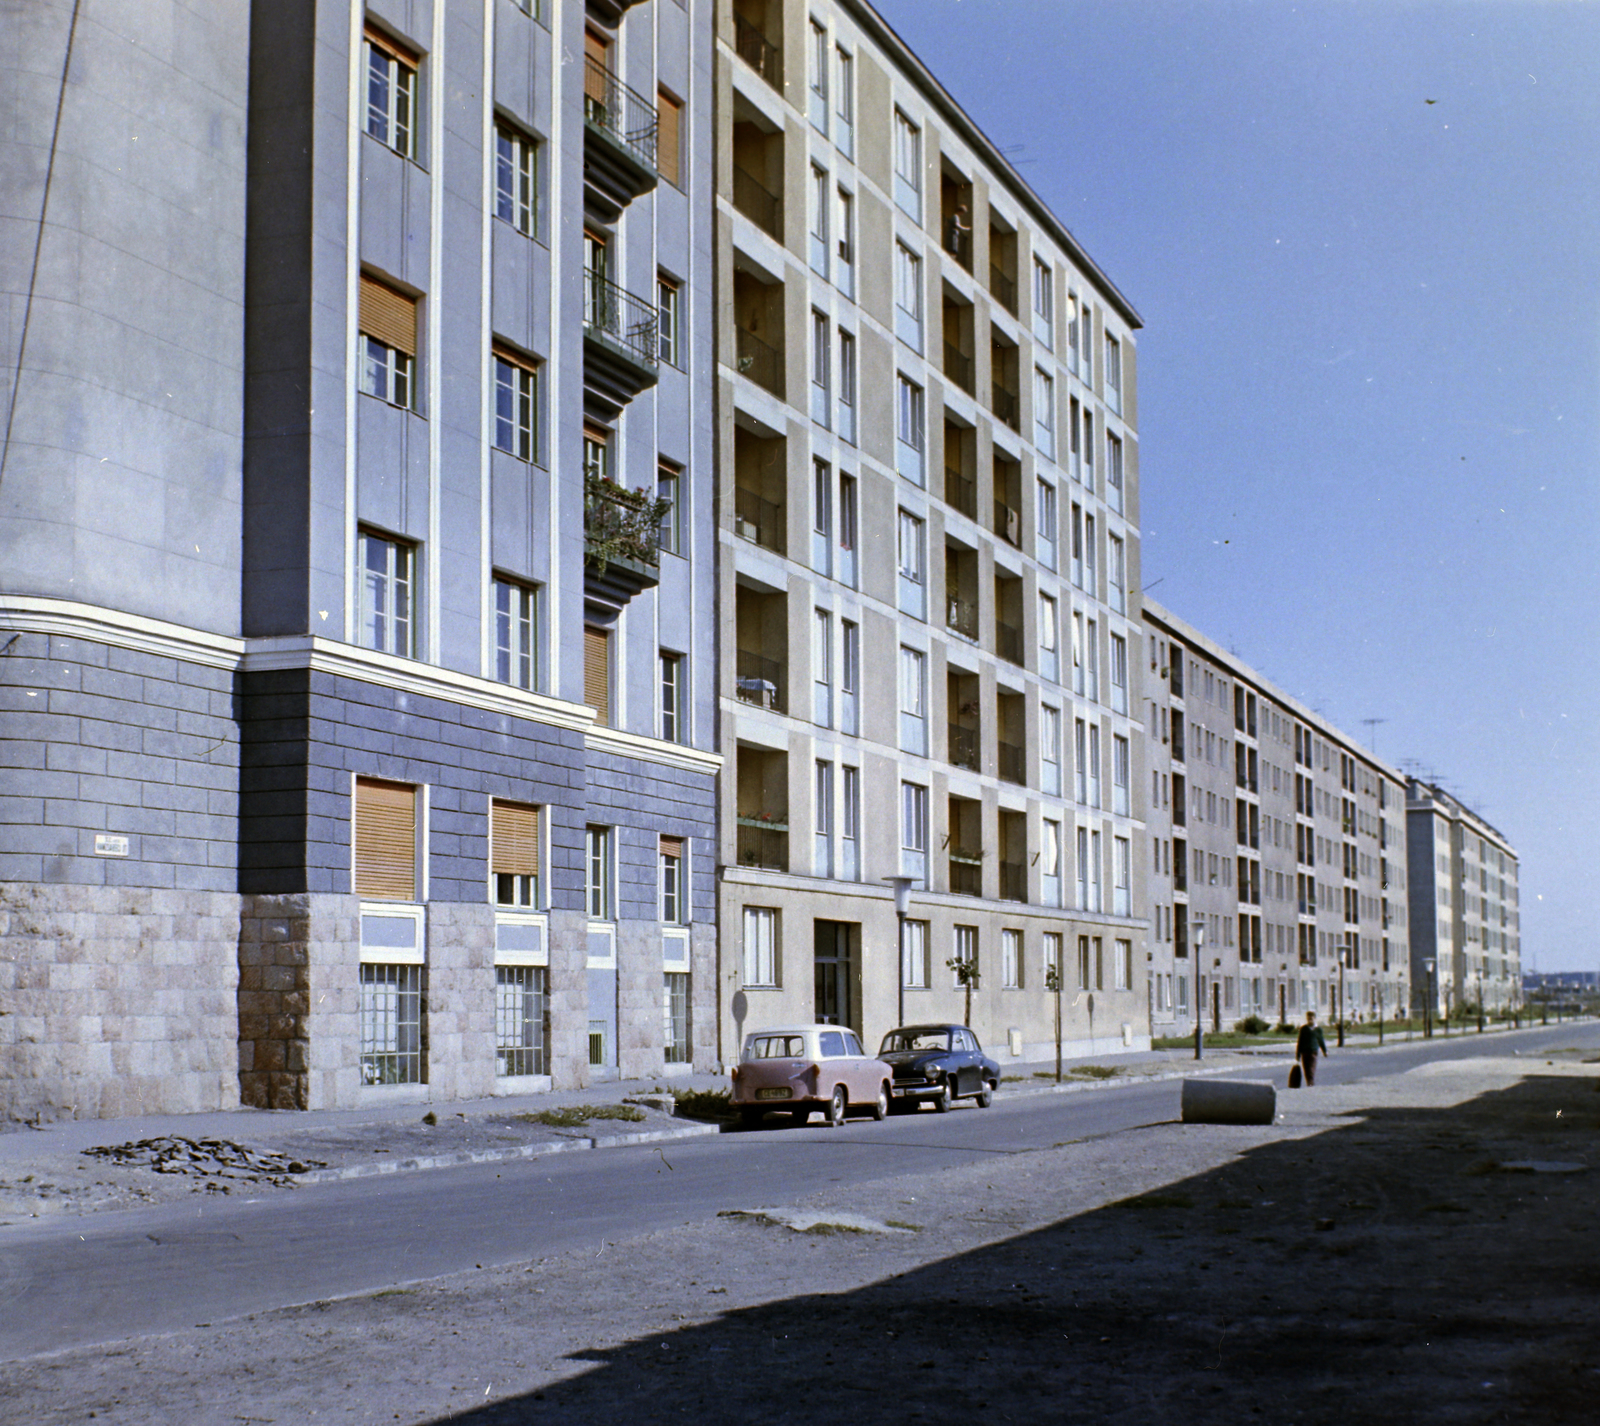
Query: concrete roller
point(1229, 1101)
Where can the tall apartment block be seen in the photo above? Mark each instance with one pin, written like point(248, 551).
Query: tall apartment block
point(1277, 850)
point(356, 550)
point(1465, 909)
point(928, 485)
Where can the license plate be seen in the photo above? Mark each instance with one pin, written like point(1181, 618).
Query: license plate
point(773, 1093)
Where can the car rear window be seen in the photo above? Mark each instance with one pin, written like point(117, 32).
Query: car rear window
point(775, 1047)
point(916, 1040)
point(832, 1042)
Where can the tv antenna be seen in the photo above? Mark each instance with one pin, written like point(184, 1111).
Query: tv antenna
point(1372, 744)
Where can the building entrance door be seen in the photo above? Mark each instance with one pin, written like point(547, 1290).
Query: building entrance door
point(837, 973)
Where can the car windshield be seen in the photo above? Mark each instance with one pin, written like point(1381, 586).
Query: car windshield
point(915, 1040)
point(775, 1047)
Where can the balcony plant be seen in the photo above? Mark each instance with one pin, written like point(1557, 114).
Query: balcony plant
point(621, 524)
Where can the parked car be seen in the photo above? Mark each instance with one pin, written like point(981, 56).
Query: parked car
point(799, 1068)
point(943, 1063)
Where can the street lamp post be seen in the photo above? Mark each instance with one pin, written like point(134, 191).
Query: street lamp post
point(1429, 1000)
point(1283, 994)
point(1344, 955)
point(1378, 988)
point(902, 904)
point(1199, 1008)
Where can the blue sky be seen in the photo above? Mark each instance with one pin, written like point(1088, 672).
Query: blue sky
point(1370, 369)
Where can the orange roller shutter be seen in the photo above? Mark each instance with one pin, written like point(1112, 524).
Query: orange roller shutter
point(388, 315)
point(515, 830)
point(386, 840)
point(669, 115)
point(597, 673)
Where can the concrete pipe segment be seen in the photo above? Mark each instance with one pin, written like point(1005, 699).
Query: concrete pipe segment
point(1220, 1101)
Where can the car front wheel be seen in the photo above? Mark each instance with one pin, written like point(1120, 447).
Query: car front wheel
point(942, 1099)
point(880, 1110)
point(985, 1096)
point(836, 1107)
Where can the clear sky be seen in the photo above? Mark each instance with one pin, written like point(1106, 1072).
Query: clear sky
point(1370, 369)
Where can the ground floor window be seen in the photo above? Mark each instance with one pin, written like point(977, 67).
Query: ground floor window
point(597, 1043)
point(675, 1004)
point(391, 1024)
point(521, 1020)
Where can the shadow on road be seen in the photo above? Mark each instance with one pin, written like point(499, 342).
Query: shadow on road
point(1391, 1269)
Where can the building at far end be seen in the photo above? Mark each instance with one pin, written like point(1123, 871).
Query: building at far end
point(1277, 849)
point(1465, 906)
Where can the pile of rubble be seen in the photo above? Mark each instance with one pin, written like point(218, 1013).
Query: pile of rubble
point(212, 1159)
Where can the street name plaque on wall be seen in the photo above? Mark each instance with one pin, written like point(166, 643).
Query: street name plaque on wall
point(108, 845)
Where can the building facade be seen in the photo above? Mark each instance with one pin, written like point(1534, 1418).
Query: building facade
point(1465, 909)
point(356, 555)
point(1277, 850)
point(928, 481)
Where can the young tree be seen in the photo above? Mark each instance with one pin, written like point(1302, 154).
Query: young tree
point(1052, 983)
point(966, 969)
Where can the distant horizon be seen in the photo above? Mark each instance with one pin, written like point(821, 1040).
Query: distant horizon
point(1362, 239)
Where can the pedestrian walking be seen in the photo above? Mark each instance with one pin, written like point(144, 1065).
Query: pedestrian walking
point(1307, 1043)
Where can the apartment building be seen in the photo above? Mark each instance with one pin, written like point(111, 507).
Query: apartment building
point(356, 557)
point(1466, 936)
point(926, 419)
point(1277, 850)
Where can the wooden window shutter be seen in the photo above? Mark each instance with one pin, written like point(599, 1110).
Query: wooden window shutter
point(388, 315)
point(672, 847)
point(597, 673)
point(390, 46)
point(669, 116)
point(515, 832)
point(386, 840)
point(597, 51)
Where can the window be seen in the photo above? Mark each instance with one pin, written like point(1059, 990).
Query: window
point(1049, 635)
point(965, 950)
point(669, 143)
point(1096, 898)
point(672, 719)
point(1011, 959)
point(514, 853)
point(521, 1020)
point(909, 427)
point(516, 405)
point(1114, 374)
point(1083, 868)
point(669, 487)
point(1121, 879)
point(822, 509)
point(844, 102)
point(1044, 413)
point(914, 818)
point(760, 946)
point(1119, 774)
point(1117, 573)
point(850, 817)
point(387, 580)
point(1091, 660)
point(907, 165)
point(390, 1012)
point(1094, 765)
point(597, 673)
point(908, 285)
point(847, 387)
point(1119, 674)
point(1052, 957)
point(1050, 749)
point(1085, 965)
point(385, 840)
point(673, 906)
point(823, 810)
point(668, 326)
point(599, 845)
point(817, 105)
point(1050, 864)
point(846, 240)
point(516, 634)
point(914, 955)
point(1043, 303)
point(596, 453)
point(822, 668)
point(1114, 472)
point(516, 178)
point(1078, 683)
point(1045, 521)
point(1081, 757)
point(1073, 343)
point(1091, 579)
point(388, 331)
point(391, 94)
point(913, 724)
point(849, 675)
point(676, 1046)
point(821, 398)
point(910, 547)
point(1122, 959)
point(820, 197)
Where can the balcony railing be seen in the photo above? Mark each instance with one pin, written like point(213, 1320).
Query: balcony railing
point(756, 50)
point(761, 363)
point(1013, 881)
point(960, 493)
point(1004, 289)
point(1008, 641)
point(1012, 762)
point(958, 243)
point(763, 844)
point(621, 524)
point(1004, 403)
point(623, 113)
point(964, 747)
point(757, 202)
point(961, 615)
point(1008, 523)
point(966, 872)
point(958, 367)
point(623, 320)
point(757, 520)
point(760, 680)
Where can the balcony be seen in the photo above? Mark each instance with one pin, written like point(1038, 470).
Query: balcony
point(958, 367)
point(1008, 642)
point(1003, 288)
point(757, 520)
point(1013, 881)
point(759, 680)
point(1003, 401)
point(961, 616)
point(762, 363)
point(619, 150)
point(960, 493)
point(756, 50)
point(1012, 762)
point(757, 202)
point(621, 351)
point(963, 748)
point(966, 871)
point(621, 540)
point(763, 844)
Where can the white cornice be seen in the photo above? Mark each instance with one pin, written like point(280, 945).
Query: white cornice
point(67, 619)
point(651, 750)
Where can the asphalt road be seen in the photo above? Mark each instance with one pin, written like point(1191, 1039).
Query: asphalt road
point(75, 1282)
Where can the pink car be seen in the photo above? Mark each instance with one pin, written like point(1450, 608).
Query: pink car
point(805, 1067)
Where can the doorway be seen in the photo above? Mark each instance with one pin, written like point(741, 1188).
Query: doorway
point(837, 973)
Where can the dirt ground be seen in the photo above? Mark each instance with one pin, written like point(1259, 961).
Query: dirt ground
point(1417, 1249)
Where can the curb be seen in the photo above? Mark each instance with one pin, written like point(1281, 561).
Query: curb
point(501, 1156)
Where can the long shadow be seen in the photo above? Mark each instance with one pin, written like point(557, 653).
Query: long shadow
point(1390, 1269)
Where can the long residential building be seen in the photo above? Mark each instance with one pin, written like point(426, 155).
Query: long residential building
point(928, 488)
point(356, 554)
point(1466, 922)
point(1277, 850)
